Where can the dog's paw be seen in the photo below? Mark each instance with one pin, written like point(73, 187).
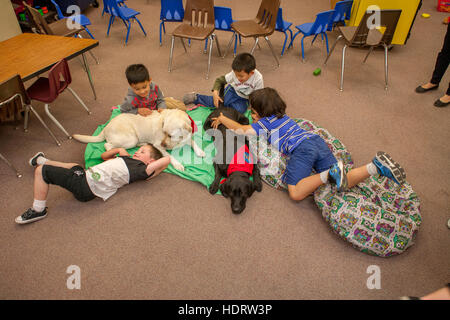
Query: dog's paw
point(213, 188)
point(200, 153)
point(178, 166)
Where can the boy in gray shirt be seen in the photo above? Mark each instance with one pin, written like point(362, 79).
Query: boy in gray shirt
point(143, 96)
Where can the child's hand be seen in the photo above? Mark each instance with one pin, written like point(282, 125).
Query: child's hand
point(216, 98)
point(216, 121)
point(123, 152)
point(144, 112)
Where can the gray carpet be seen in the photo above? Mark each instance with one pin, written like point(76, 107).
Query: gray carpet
point(170, 239)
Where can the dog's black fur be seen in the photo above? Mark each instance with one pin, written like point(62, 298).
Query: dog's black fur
point(238, 186)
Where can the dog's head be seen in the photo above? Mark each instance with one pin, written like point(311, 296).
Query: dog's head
point(238, 188)
point(177, 128)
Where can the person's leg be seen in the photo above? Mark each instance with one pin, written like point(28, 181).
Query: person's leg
point(304, 187)
point(232, 100)
point(207, 101)
point(441, 66)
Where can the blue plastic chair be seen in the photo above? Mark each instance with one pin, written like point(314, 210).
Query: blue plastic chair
point(83, 20)
point(315, 28)
point(171, 11)
point(127, 15)
point(105, 8)
point(283, 26)
point(342, 12)
point(223, 19)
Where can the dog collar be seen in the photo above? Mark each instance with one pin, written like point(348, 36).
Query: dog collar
point(193, 125)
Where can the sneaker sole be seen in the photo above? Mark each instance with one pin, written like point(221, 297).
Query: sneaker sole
point(344, 181)
point(396, 169)
point(31, 159)
point(30, 220)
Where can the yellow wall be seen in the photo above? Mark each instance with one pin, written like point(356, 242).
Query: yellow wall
point(9, 26)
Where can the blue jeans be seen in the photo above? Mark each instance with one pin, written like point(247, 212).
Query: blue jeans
point(230, 99)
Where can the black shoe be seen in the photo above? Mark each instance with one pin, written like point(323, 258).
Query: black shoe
point(33, 160)
point(421, 89)
point(438, 103)
point(30, 216)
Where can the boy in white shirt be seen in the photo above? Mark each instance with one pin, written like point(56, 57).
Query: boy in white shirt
point(102, 180)
point(233, 89)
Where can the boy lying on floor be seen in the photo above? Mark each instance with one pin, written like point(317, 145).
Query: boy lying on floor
point(102, 180)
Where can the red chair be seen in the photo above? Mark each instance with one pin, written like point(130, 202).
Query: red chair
point(46, 90)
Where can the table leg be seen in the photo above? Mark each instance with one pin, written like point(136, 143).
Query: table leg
point(86, 66)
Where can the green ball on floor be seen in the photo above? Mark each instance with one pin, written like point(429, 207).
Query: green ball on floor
point(317, 71)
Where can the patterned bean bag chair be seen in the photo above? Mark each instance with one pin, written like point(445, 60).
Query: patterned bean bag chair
point(377, 216)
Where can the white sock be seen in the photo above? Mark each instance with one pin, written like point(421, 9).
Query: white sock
point(39, 205)
point(372, 169)
point(324, 176)
point(41, 160)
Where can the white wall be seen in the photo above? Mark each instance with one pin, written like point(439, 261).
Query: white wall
point(9, 26)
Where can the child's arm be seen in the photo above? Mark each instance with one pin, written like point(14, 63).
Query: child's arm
point(156, 167)
point(218, 85)
point(126, 106)
point(111, 154)
point(160, 103)
point(233, 125)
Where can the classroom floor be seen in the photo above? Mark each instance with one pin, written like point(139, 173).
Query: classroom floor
point(170, 239)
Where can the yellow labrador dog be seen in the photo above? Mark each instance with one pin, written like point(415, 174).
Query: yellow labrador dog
point(168, 129)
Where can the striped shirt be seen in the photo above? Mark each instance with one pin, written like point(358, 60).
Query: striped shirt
point(283, 133)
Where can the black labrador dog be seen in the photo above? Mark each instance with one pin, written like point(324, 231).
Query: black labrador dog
point(233, 160)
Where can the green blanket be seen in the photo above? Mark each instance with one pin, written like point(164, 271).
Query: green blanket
point(195, 168)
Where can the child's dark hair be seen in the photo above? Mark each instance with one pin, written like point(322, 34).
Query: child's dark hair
point(154, 153)
point(137, 73)
point(267, 102)
point(244, 62)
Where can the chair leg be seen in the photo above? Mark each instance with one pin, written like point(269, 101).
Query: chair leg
point(79, 100)
point(332, 48)
point(171, 54)
point(18, 174)
point(368, 53)
point(26, 118)
point(160, 37)
point(284, 44)
point(47, 111)
point(111, 19)
point(235, 43)
point(88, 32)
point(303, 50)
point(254, 46)
point(271, 49)
point(229, 44)
point(128, 31)
point(206, 46)
point(44, 125)
point(217, 44)
point(184, 46)
point(209, 56)
point(326, 42)
point(291, 44)
point(342, 68)
point(140, 25)
point(314, 39)
point(386, 65)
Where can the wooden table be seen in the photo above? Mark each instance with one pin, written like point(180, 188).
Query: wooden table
point(30, 54)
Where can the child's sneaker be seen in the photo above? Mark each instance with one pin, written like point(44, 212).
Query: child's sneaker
point(189, 98)
point(387, 167)
point(30, 216)
point(338, 176)
point(33, 159)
